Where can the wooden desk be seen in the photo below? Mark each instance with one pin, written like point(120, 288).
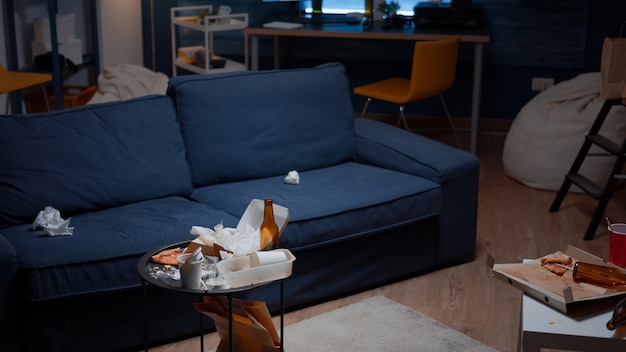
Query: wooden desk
point(345, 31)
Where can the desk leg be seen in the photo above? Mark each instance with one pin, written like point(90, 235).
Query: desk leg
point(276, 52)
point(254, 52)
point(246, 60)
point(476, 90)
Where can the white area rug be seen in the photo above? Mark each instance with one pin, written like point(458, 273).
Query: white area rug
point(376, 324)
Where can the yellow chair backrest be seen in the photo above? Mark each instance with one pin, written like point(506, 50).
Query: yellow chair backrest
point(434, 67)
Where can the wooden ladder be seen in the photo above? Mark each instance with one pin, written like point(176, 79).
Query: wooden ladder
point(603, 194)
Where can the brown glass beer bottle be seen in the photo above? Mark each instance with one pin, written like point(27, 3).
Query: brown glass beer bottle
point(619, 315)
point(269, 229)
point(599, 275)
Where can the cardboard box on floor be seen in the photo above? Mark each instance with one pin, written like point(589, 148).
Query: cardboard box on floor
point(253, 216)
point(559, 292)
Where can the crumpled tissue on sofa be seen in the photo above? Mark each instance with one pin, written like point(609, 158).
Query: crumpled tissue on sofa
point(52, 223)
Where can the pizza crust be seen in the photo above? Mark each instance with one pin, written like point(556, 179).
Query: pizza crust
point(557, 265)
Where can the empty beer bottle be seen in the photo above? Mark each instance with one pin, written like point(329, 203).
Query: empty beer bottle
point(619, 315)
point(269, 229)
point(599, 275)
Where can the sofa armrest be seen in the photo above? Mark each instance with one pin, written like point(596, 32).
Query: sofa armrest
point(455, 170)
point(9, 299)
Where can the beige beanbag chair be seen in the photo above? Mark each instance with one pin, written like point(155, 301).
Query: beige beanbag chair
point(549, 130)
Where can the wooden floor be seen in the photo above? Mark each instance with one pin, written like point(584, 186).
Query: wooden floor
point(513, 223)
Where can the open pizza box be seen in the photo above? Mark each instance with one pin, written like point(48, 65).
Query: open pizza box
point(577, 300)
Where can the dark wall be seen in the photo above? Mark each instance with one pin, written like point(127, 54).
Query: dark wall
point(556, 39)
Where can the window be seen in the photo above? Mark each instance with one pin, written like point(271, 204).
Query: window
point(345, 6)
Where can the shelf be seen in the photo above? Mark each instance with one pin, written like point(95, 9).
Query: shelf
point(88, 60)
point(231, 66)
point(57, 73)
point(226, 23)
point(207, 25)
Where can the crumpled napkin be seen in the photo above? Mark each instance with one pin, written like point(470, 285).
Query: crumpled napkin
point(292, 178)
point(205, 235)
point(240, 241)
point(53, 225)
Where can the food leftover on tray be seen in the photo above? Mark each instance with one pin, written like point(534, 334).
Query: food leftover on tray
point(167, 257)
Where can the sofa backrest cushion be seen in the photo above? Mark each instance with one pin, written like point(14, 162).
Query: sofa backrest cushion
point(245, 125)
point(91, 157)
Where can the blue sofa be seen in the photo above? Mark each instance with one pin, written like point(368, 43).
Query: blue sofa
point(375, 204)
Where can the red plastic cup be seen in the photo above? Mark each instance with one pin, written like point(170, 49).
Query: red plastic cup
point(617, 244)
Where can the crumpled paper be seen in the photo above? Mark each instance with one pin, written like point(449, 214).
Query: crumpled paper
point(238, 242)
point(205, 235)
point(53, 225)
point(292, 178)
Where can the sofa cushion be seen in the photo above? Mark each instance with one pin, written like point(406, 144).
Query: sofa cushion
point(103, 252)
point(334, 203)
point(89, 158)
point(249, 121)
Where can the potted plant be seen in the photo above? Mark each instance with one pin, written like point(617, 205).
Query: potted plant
point(389, 10)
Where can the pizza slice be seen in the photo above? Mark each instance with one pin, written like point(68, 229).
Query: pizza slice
point(557, 265)
point(167, 257)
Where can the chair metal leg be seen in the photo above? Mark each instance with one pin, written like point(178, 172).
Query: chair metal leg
point(45, 96)
point(445, 108)
point(12, 108)
point(367, 103)
point(406, 125)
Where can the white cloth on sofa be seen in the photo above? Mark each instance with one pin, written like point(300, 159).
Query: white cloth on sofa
point(127, 81)
point(549, 130)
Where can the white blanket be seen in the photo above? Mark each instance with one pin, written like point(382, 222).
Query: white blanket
point(127, 81)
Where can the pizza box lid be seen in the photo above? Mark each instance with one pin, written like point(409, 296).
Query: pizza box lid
point(559, 292)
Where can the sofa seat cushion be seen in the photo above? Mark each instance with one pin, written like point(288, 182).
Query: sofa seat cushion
point(231, 134)
point(332, 203)
point(89, 158)
point(103, 252)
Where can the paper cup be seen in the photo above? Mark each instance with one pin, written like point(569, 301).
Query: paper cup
point(617, 244)
point(262, 258)
point(190, 273)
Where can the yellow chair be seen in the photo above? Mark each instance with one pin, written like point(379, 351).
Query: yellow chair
point(433, 71)
point(11, 81)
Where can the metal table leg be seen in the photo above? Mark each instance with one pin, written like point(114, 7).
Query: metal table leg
point(230, 322)
point(282, 316)
point(201, 332)
point(145, 314)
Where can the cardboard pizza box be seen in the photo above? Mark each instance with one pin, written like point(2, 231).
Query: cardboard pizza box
point(559, 292)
